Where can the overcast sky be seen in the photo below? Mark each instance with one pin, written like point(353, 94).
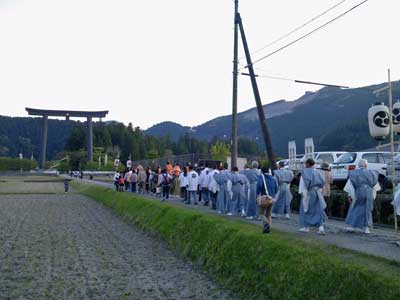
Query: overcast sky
point(154, 60)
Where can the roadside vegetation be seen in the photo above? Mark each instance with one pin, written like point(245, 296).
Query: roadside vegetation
point(16, 164)
point(252, 265)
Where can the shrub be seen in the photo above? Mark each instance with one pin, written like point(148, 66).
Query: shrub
point(16, 164)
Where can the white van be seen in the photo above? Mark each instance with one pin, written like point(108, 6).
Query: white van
point(349, 161)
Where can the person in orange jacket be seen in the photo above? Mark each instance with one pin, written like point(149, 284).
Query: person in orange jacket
point(169, 168)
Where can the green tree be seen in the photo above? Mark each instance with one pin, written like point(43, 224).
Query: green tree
point(247, 147)
point(220, 151)
point(77, 139)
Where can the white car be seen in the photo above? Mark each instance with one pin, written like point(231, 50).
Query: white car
point(325, 156)
point(347, 162)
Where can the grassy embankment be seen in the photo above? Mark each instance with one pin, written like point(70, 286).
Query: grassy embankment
point(256, 266)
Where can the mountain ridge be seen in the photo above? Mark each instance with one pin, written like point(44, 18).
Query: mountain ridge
point(317, 114)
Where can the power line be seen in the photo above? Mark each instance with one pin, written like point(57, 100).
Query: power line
point(269, 76)
point(297, 80)
point(298, 27)
point(309, 33)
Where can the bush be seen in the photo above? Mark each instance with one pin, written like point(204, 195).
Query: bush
point(16, 164)
point(256, 266)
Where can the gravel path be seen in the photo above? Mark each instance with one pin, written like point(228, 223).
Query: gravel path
point(70, 247)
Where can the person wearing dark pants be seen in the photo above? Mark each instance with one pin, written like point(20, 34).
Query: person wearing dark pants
point(133, 187)
point(192, 185)
point(165, 191)
point(166, 180)
point(183, 182)
point(116, 178)
point(204, 182)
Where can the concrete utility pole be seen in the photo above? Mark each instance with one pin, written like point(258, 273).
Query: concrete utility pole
point(234, 146)
point(260, 109)
point(392, 145)
point(391, 134)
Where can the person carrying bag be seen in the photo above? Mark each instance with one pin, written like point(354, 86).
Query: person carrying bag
point(264, 199)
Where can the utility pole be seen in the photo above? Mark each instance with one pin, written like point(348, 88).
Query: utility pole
point(392, 144)
point(390, 102)
point(260, 109)
point(234, 145)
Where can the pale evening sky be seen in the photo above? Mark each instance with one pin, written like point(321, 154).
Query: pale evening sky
point(151, 61)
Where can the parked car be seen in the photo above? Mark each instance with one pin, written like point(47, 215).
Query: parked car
point(396, 168)
point(285, 161)
point(295, 165)
point(325, 156)
point(348, 162)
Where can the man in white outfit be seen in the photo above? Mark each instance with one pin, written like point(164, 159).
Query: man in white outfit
point(193, 183)
point(204, 181)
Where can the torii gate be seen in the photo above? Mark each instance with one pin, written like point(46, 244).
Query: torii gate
point(89, 115)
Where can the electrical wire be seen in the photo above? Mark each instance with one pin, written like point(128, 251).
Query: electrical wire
point(270, 76)
point(309, 33)
point(297, 80)
point(297, 28)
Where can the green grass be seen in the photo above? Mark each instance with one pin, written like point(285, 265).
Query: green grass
point(256, 266)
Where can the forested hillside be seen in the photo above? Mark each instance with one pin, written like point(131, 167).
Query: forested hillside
point(22, 135)
point(335, 118)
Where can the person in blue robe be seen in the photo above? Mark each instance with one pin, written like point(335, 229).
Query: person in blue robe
point(246, 191)
point(252, 176)
point(312, 206)
point(222, 179)
point(235, 205)
point(284, 197)
point(361, 186)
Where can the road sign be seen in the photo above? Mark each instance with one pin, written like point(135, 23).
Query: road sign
point(116, 162)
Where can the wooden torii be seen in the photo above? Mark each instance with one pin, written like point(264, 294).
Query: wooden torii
point(45, 114)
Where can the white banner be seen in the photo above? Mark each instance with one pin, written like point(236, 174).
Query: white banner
point(292, 154)
point(309, 147)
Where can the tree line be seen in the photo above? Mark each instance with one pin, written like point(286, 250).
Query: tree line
point(117, 140)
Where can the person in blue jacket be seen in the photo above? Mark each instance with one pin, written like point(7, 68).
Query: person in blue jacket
point(272, 188)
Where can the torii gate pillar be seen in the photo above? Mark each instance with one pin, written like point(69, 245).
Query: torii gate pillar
point(89, 139)
point(43, 142)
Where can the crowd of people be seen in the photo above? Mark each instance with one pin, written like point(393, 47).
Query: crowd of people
point(237, 193)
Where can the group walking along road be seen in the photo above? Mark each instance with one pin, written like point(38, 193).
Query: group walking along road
point(381, 242)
